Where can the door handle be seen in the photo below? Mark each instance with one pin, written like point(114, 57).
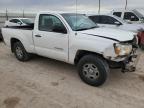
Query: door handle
point(38, 36)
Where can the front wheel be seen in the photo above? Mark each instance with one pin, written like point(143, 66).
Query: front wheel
point(20, 52)
point(93, 70)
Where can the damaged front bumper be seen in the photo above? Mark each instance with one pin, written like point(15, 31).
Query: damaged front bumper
point(130, 63)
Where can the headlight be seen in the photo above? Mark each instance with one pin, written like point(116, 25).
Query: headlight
point(122, 49)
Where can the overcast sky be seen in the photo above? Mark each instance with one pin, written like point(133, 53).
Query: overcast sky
point(69, 5)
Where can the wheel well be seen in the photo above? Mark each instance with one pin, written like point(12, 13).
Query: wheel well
point(82, 53)
point(13, 41)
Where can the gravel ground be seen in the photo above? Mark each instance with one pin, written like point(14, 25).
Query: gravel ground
point(46, 83)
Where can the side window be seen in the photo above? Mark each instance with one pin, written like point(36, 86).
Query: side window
point(95, 19)
point(118, 14)
point(14, 20)
point(50, 23)
point(130, 16)
point(17, 21)
point(108, 20)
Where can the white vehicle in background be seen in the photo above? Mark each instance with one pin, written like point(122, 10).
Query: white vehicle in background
point(18, 22)
point(75, 39)
point(132, 16)
point(115, 22)
point(111, 21)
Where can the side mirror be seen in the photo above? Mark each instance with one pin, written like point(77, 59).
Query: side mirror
point(59, 29)
point(19, 23)
point(118, 23)
point(142, 19)
point(129, 21)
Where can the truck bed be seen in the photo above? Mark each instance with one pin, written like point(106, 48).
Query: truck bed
point(23, 33)
point(28, 27)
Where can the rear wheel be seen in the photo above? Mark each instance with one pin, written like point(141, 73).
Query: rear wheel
point(20, 52)
point(93, 70)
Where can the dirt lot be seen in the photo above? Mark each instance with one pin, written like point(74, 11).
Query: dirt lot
point(45, 83)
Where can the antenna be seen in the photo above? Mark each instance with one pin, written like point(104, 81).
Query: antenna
point(6, 14)
point(126, 4)
point(99, 6)
point(23, 13)
point(76, 6)
point(76, 15)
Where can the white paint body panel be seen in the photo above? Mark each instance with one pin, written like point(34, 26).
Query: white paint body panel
point(25, 36)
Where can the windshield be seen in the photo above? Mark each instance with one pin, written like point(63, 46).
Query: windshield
point(27, 21)
point(79, 22)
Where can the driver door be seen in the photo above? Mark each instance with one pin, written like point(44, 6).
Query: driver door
point(51, 38)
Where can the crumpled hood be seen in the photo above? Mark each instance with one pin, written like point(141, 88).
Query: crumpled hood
point(110, 33)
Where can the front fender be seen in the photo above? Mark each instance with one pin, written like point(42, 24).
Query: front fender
point(97, 45)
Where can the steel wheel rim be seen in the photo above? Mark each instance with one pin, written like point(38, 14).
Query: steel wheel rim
point(91, 71)
point(19, 52)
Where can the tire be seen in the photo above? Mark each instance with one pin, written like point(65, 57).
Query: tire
point(20, 52)
point(93, 70)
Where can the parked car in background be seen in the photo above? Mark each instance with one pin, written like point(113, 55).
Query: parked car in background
point(112, 21)
point(132, 16)
point(75, 39)
point(18, 22)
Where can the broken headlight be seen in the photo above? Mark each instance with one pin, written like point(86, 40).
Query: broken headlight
point(122, 49)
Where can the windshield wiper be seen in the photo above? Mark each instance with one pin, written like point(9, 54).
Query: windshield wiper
point(93, 27)
point(82, 29)
point(86, 28)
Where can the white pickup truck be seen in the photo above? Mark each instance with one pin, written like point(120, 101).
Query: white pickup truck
point(75, 39)
point(130, 15)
